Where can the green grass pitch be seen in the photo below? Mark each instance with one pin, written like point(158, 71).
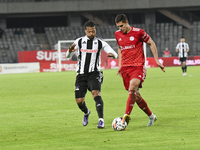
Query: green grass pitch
point(38, 112)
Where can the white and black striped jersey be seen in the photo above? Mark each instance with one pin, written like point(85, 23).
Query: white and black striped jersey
point(89, 53)
point(182, 48)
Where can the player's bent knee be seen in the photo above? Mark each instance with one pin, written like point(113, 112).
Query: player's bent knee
point(79, 100)
point(96, 93)
point(134, 84)
point(138, 96)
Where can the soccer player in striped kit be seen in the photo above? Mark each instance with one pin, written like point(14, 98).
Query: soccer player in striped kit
point(89, 75)
point(131, 64)
point(182, 49)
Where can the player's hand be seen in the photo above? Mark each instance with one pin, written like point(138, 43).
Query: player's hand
point(111, 55)
point(71, 48)
point(119, 72)
point(161, 66)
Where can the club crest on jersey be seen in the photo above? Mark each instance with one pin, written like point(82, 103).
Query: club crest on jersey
point(131, 38)
point(120, 39)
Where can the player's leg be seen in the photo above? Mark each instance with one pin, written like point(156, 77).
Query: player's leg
point(96, 94)
point(99, 107)
point(182, 65)
point(133, 85)
point(95, 82)
point(81, 104)
point(144, 107)
point(185, 67)
point(125, 72)
point(80, 92)
point(142, 103)
point(80, 96)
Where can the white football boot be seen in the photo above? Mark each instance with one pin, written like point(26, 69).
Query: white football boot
point(152, 119)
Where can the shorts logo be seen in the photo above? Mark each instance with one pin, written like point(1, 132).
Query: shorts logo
point(77, 88)
point(100, 77)
point(131, 38)
point(140, 76)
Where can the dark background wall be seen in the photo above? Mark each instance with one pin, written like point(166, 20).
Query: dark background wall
point(91, 5)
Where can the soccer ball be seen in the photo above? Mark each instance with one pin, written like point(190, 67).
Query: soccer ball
point(119, 124)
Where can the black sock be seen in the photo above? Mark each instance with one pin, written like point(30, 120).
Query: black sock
point(99, 106)
point(83, 107)
point(183, 68)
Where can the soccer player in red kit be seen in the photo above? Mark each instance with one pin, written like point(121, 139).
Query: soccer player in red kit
point(131, 63)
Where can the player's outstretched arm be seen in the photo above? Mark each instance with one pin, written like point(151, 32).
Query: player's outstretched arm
point(71, 49)
point(110, 52)
point(152, 45)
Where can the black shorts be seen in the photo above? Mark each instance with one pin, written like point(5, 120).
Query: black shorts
point(91, 81)
point(182, 59)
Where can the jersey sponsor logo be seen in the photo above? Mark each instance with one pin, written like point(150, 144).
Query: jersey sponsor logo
point(127, 47)
point(131, 38)
point(89, 50)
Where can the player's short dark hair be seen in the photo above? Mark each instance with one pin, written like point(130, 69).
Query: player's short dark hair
point(182, 37)
point(89, 24)
point(121, 17)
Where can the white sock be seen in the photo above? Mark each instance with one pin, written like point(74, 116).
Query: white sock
point(101, 119)
point(151, 116)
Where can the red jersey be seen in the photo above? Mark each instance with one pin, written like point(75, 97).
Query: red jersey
point(131, 45)
point(166, 52)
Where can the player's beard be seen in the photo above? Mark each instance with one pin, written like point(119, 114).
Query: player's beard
point(91, 37)
point(126, 30)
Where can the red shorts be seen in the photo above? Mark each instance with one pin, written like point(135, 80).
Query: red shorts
point(131, 72)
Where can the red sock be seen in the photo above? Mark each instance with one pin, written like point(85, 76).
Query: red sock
point(143, 105)
point(130, 102)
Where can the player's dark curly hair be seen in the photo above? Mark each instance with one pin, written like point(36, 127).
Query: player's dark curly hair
point(121, 17)
point(89, 24)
